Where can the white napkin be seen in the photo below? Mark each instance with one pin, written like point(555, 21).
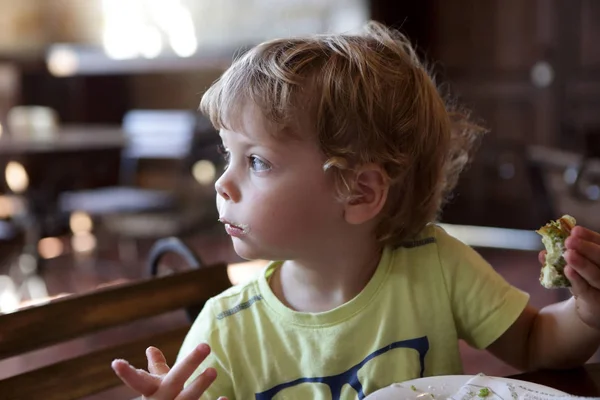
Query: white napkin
point(498, 389)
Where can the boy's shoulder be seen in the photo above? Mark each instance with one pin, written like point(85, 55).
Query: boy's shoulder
point(439, 235)
point(434, 238)
point(430, 234)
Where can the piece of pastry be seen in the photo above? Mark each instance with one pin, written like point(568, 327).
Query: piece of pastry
point(554, 234)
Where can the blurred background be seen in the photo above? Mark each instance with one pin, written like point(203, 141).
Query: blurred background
point(102, 151)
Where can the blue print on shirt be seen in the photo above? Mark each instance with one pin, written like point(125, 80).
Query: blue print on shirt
point(350, 377)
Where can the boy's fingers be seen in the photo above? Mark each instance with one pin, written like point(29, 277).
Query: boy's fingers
point(181, 371)
point(137, 379)
point(579, 286)
point(157, 364)
point(542, 256)
point(195, 389)
point(586, 234)
point(587, 248)
point(585, 268)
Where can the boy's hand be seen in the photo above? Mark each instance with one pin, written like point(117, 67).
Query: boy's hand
point(164, 383)
point(583, 270)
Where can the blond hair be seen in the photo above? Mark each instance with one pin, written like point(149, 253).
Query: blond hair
point(369, 100)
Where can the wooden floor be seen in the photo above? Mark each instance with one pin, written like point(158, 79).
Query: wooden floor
point(70, 274)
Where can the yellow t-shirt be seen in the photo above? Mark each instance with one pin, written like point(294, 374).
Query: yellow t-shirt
point(405, 324)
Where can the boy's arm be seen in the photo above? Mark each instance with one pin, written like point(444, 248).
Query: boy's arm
point(566, 334)
point(554, 337)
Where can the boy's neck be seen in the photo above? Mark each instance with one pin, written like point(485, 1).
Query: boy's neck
point(332, 280)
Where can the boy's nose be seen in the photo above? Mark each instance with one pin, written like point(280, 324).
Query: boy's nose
point(226, 189)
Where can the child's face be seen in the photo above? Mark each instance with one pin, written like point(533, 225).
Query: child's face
point(274, 198)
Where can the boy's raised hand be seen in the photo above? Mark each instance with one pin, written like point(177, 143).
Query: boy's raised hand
point(164, 383)
point(583, 270)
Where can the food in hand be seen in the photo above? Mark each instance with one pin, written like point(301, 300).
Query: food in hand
point(554, 235)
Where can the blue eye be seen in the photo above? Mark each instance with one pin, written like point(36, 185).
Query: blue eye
point(258, 165)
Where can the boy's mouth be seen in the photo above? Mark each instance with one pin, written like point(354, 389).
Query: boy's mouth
point(234, 229)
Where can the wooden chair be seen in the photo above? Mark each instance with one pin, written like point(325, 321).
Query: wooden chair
point(79, 315)
point(151, 134)
point(132, 212)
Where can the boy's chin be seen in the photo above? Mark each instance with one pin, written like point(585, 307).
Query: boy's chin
point(249, 252)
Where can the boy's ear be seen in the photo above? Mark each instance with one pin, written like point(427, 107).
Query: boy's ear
point(369, 191)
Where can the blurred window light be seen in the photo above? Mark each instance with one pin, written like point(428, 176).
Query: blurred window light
point(501, 238)
point(16, 177)
point(176, 21)
point(204, 172)
point(134, 28)
point(164, 12)
point(150, 42)
point(118, 44)
point(80, 222)
point(50, 247)
point(182, 36)
point(122, 25)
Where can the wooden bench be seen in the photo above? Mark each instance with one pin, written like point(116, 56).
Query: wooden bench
point(74, 316)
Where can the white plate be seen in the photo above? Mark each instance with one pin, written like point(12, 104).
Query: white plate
point(445, 386)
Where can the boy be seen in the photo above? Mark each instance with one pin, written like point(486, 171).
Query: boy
point(340, 153)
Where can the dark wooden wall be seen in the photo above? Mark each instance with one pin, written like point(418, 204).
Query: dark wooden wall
point(529, 69)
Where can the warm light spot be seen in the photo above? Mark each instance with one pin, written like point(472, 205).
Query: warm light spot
point(204, 172)
point(7, 207)
point(1, 130)
point(62, 62)
point(16, 177)
point(50, 247)
point(81, 222)
point(83, 242)
point(242, 272)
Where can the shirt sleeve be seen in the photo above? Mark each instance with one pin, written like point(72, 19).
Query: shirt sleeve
point(204, 330)
point(484, 304)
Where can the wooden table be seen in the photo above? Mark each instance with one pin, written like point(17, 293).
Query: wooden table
point(584, 381)
point(65, 139)
point(72, 158)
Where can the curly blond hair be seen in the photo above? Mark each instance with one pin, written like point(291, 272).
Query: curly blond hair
point(370, 100)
